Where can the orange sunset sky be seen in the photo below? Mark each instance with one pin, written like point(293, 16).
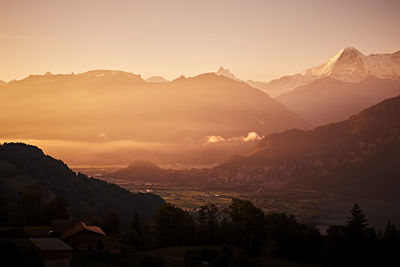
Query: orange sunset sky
point(258, 40)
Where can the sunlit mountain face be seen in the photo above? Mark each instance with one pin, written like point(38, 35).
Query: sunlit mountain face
point(111, 117)
point(348, 65)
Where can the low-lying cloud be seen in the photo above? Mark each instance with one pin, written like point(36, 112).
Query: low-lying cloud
point(251, 136)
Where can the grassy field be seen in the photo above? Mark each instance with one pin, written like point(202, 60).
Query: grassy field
point(313, 207)
point(303, 204)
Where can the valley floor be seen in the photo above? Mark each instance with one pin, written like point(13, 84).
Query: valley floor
point(317, 208)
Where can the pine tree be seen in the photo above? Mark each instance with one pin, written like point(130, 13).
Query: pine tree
point(357, 221)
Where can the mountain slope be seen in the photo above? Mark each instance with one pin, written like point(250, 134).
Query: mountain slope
point(22, 164)
point(359, 156)
point(329, 100)
point(101, 111)
point(143, 169)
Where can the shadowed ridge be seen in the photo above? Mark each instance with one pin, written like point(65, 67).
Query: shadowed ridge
point(355, 157)
point(83, 194)
point(328, 100)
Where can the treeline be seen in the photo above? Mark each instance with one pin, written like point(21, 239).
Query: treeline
point(32, 209)
point(242, 232)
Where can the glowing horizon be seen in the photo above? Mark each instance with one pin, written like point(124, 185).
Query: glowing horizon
point(258, 40)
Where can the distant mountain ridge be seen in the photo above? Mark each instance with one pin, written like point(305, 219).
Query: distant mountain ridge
point(156, 79)
point(167, 122)
point(143, 169)
point(328, 100)
point(112, 73)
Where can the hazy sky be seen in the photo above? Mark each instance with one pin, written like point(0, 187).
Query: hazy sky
point(257, 40)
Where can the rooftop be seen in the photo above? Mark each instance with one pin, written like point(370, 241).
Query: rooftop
point(50, 244)
point(81, 226)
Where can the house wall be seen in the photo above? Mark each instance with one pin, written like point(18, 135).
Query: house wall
point(56, 255)
point(58, 263)
point(81, 241)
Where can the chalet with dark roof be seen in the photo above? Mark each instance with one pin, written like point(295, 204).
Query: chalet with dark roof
point(83, 237)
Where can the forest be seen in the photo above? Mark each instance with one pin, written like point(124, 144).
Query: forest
point(240, 235)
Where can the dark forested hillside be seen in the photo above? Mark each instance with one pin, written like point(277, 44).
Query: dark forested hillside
point(22, 165)
point(358, 156)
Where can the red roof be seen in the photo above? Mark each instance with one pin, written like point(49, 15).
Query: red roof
point(81, 226)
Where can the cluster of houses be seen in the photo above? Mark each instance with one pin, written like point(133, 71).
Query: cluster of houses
point(68, 237)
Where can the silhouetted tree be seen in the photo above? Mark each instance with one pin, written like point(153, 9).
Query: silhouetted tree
point(4, 213)
point(56, 209)
point(136, 223)
point(354, 244)
point(30, 205)
point(111, 223)
point(357, 222)
point(174, 226)
point(208, 230)
point(292, 239)
point(225, 230)
point(390, 245)
point(141, 235)
point(336, 250)
point(248, 225)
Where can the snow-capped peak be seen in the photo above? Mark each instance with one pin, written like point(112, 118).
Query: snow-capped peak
point(351, 65)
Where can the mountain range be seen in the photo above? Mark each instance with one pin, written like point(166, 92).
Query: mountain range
point(348, 65)
point(349, 80)
point(114, 116)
